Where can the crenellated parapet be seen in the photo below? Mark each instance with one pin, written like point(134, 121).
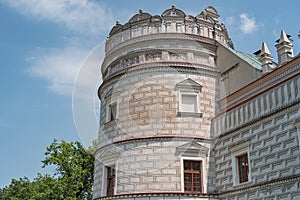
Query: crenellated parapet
point(172, 20)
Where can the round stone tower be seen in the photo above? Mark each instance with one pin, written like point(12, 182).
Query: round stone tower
point(160, 85)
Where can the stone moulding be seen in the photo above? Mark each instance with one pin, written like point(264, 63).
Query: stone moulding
point(278, 181)
point(175, 195)
point(258, 119)
point(179, 195)
point(179, 67)
point(155, 138)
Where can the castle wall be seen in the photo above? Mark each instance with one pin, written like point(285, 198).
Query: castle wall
point(268, 123)
point(147, 110)
point(148, 105)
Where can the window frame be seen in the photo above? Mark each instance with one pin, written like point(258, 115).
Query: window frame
point(201, 159)
point(236, 152)
point(181, 112)
point(109, 116)
point(183, 93)
point(193, 173)
point(188, 87)
point(105, 179)
point(110, 179)
point(243, 171)
point(112, 111)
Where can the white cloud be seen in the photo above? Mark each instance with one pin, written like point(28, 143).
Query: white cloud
point(230, 20)
point(69, 69)
point(58, 66)
point(248, 25)
point(82, 16)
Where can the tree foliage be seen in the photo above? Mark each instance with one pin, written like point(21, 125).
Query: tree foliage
point(73, 177)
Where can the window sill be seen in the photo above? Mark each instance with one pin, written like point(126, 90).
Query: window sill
point(110, 123)
point(242, 184)
point(189, 114)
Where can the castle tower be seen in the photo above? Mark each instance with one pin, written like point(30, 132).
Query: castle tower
point(162, 76)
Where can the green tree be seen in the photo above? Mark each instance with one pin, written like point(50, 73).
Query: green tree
point(41, 188)
point(72, 180)
point(74, 168)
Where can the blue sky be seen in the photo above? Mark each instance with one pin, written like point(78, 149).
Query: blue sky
point(50, 55)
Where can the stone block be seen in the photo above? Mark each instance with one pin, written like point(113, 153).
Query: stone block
point(128, 187)
point(169, 171)
point(257, 145)
point(146, 179)
point(287, 126)
point(141, 187)
point(271, 158)
point(282, 136)
point(276, 147)
point(278, 165)
point(290, 143)
point(260, 178)
point(286, 172)
point(272, 175)
point(263, 135)
point(265, 169)
point(264, 151)
point(293, 161)
point(169, 186)
point(283, 154)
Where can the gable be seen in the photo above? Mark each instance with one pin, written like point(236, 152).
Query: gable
point(192, 149)
point(189, 84)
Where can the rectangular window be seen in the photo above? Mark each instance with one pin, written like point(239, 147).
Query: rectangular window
point(112, 111)
point(243, 167)
point(110, 181)
point(240, 160)
point(189, 103)
point(192, 176)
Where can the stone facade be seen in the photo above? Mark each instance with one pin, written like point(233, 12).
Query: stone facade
point(173, 90)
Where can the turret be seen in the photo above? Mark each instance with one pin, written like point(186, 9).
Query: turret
point(284, 48)
point(265, 58)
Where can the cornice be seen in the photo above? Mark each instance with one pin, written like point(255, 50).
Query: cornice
point(169, 195)
point(267, 184)
point(180, 67)
point(154, 138)
point(258, 120)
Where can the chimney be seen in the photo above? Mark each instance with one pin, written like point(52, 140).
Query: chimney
point(284, 48)
point(265, 58)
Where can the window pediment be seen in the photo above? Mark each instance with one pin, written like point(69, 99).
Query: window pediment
point(192, 148)
point(188, 84)
point(109, 156)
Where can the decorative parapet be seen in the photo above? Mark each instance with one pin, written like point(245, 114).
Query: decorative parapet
point(171, 21)
point(274, 99)
point(192, 48)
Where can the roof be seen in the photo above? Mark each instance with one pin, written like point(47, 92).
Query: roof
point(250, 59)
